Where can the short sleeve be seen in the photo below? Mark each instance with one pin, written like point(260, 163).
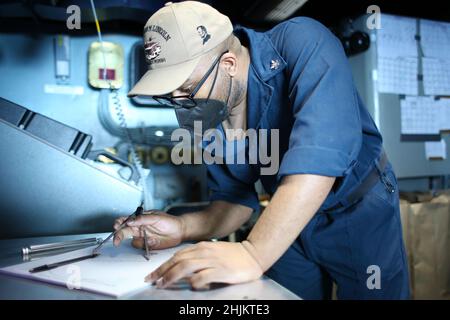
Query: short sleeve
point(327, 130)
point(224, 186)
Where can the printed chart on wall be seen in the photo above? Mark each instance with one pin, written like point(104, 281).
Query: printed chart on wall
point(435, 47)
point(425, 119)
point(397, 71)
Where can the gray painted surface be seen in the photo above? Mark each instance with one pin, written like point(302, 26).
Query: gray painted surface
point(47, 191)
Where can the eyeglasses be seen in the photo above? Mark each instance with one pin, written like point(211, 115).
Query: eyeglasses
point(188, 101)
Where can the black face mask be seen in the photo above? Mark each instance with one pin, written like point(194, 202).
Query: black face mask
point(210, 112)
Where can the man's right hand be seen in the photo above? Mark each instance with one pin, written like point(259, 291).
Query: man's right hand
point(163, 230)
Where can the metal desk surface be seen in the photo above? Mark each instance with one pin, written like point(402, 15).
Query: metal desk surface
point(18, 288)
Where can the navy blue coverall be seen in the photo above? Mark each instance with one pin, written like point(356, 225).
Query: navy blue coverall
point(300, 82)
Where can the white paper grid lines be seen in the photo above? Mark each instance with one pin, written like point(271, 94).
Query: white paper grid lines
point(419, 115)
point(436, 76)
point(398, 75)
point(435, 39)
point(396, 37)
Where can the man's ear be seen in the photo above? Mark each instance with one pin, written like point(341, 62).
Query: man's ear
point(229, 63)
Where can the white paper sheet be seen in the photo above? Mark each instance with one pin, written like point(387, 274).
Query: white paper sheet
point(444, 115)
point(420, 115)
point(436, 76)
point(435, 39)
point(116, 272)
point(396, 37)
point(397, 55)
point(398, 75)
point(436, 149)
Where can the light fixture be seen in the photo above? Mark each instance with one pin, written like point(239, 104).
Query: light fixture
point(274, 11)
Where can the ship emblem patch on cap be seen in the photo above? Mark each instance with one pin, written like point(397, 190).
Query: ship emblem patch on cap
point(203, 33)
point(152, 50)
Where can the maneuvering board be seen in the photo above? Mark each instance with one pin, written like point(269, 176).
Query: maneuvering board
point(117, 271)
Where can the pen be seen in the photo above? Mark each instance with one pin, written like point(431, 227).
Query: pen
point(50, 266)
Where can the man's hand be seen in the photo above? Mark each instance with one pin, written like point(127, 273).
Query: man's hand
point(208, 262)
point(163, 230)
point(217, 220)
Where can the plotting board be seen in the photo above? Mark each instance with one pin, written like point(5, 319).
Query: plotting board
point(116, 272)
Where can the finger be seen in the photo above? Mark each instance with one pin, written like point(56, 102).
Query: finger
point(158, 243)
point(154, 243)
point(202, 279)
point(161, 270)
point(137, 242)
point(181, 270)
point(125, 233)
point(118, 222)
point(146, 219)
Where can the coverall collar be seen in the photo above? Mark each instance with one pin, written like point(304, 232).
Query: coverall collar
point(265, 63)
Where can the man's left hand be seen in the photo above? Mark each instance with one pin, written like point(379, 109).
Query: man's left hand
point(208, 262)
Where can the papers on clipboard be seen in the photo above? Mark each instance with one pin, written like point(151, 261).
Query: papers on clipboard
point(397, 55)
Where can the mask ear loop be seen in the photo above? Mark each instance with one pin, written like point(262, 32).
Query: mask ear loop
point(214, 82)
point(229, 90)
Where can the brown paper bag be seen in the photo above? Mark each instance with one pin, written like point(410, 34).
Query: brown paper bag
point(405, 213)
point(427, 229)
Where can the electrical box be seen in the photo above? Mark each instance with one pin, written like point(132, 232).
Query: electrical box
point(106, 65)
